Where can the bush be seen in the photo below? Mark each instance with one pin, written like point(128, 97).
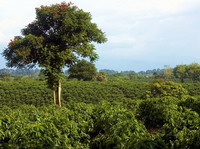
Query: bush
point(115, 127)
point(192, 103)
point(46, 127)
point(113, 124)
point(177, 126)
point(192, 88)
point(156, 112)
point(162, 88)
point(182, 131)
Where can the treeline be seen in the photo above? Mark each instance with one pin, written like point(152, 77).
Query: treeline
point(110, 72)
point(180, 73)
point(87, 71)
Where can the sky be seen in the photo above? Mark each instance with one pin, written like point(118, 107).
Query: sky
point(142, 34)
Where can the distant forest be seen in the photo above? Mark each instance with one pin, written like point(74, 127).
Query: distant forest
point(180, 73)
point(110, 72)
point(26, 71)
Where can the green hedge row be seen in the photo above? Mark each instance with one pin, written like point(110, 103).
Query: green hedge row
point(14, 93)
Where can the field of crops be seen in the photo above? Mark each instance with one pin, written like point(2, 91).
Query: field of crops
point(14, 93)
point(97, 115)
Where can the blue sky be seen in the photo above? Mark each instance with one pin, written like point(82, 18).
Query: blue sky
point(142, 34)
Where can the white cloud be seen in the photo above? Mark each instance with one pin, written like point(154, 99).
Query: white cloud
point(122, 39)
point(1, 36)
point(134, 28)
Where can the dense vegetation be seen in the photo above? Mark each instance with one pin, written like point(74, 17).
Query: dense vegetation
point(36, 92)
point(86, 71)
point(100, 115)
point(112, 110)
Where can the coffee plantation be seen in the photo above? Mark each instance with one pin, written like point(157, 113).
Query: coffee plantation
point(98, 115)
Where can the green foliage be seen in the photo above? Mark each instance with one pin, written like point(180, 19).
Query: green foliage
point(79, 125)
point(180, 72)
point(178, 126)
point(115, 126)
point(4, 76)
point(193, 71)
point(132, 90)
point(192, 88)
point(90, 92)
point(156, 112)
point(192, 103)
point(101, 76)
point(182, 131)
point(168, 72)
point(14, 93)
point(162, 88)
point(111, 121)
point(59, 36)
point(47, 127)
point(83, 70)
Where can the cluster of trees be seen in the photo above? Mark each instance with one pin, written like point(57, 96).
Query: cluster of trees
point(191, 72)
point(86, 71)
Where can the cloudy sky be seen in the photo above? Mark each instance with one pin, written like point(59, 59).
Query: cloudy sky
point(142, 34)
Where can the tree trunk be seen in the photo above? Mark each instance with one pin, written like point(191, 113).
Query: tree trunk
point(57, 94)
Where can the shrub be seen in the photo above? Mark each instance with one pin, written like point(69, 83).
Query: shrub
point(192, 103)
point(46, 127)
point(162, 88)
point(156, 112)
point(115, 127)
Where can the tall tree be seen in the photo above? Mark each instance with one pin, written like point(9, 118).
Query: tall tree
point(60, 35)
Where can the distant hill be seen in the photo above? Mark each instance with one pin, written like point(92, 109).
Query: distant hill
point(24, 71)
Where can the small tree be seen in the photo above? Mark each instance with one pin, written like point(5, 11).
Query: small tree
point(83, 70)
point(60, 36)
